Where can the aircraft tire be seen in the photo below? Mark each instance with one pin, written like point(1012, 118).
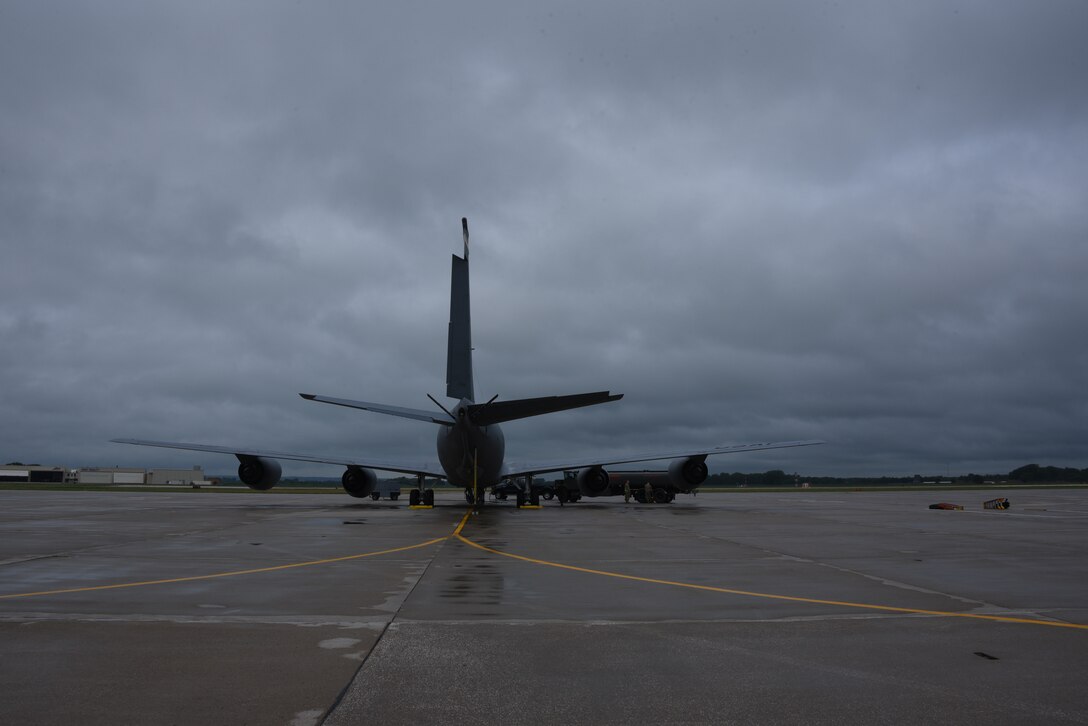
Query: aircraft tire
point(661, 496)
point(428, 497)
point(521, 500)
point(375, 496)
point(548, 496)
point(534, 499)
point(413, 498)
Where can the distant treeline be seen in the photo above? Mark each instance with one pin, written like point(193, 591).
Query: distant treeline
point(1036, 473)
point(1030, 474)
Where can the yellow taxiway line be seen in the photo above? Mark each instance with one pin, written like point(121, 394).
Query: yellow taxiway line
point(457, 533)
point(233, 573)
point(766, 595)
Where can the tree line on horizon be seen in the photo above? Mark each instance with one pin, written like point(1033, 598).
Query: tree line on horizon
point(1029, 474)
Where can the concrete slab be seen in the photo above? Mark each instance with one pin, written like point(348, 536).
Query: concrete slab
point(193, 607)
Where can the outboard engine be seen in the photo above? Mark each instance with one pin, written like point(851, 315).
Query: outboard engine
point(593, 482)
point(359, 482)
point(258, 473)
point(687, 474)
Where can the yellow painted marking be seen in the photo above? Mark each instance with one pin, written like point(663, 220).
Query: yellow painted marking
point(421, 506)
point(619, 575)
point(531, 506)
point(790, 598)
point(226, 574)
point(457, 532)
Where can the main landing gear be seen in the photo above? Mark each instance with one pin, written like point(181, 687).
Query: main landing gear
point(528, 496)
point(532, 499)
point(420, 496)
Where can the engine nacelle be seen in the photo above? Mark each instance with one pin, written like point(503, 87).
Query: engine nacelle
point(686, 474)
point(359, 482)
point(593, 482)
point(258, 473)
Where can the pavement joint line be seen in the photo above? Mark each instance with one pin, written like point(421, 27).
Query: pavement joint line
point(765, 595)
point(385, 629)
point(233, 573)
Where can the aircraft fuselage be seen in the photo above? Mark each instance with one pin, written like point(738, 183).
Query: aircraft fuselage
point(471, 455)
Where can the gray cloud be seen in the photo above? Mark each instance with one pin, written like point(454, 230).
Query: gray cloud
point(836, 220)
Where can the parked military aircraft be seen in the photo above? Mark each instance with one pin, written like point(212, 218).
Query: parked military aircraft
point(471, 447)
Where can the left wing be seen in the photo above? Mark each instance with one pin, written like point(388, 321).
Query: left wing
point(405, 467)
point(522, 468)
point(416, 413)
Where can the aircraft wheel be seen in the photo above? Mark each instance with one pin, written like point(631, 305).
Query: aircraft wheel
point(548, 495)
point(413, 498)
point(534, 499)
point(375, 496)
point(428, 497)
point(561, 494)
point(661, 496)
point(521, 500)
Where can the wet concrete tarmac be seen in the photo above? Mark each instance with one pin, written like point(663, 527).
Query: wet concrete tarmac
point(805, 607)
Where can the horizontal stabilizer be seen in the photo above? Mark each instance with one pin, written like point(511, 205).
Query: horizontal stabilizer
point(415, 413)
point(485, 414)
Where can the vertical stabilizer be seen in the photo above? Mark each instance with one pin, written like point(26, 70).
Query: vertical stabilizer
point(459, 351)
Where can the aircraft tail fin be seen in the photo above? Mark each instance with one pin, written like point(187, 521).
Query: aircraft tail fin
point(459, 344)
point(493, 412)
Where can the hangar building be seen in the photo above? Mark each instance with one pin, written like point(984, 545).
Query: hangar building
point(33, 473)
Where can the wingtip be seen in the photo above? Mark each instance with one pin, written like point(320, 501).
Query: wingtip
point(308, 396)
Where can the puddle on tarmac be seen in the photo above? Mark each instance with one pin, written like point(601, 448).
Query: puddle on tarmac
point(479, 583)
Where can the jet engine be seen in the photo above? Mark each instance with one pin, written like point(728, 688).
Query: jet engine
point(258, 473)
point(359, 482)
point(593, 482)
point(686, 474)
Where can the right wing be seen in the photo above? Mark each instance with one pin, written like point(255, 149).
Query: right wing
point(426, 468)
point(521, 468)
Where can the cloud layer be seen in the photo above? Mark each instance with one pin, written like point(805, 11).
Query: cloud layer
point(860, 223)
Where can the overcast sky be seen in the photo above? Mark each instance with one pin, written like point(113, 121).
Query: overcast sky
point(860, 222)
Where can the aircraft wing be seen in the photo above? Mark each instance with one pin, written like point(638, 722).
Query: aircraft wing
point(522, 468)
point(426, 468)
